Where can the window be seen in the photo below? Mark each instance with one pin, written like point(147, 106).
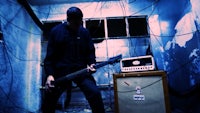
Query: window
point(138, 26)
point(116, 27)
point(96, 28)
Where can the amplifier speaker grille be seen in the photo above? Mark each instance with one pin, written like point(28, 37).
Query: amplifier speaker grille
point(141, 92)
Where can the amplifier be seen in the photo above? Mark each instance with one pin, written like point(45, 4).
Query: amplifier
point(141, 63)
point(141, 92)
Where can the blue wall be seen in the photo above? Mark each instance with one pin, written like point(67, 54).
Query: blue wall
point(176, 50)
point(176, 42)
point(20, 76)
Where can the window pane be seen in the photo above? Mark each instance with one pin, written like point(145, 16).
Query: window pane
point(96, 28)
point(116, 27)
point(137, 26)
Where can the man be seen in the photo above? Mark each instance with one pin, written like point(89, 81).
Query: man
point(70, 49)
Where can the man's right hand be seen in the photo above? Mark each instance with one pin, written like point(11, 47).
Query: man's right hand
point(48, 84)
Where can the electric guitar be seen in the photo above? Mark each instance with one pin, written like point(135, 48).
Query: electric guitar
point(84, 71)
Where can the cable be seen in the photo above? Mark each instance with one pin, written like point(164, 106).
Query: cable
point(19, 27)
point(11, 82)
point(160, 35)
point(16, 57)
point(15, 15)
point(95, 11)
point(155, 2)
point(14, 2)
point(11, 85)
point(96, 30)
point(143, 86)
point(58, 13)
point(8, 95)
point(86, 6)
point(163, 46)
point(120, 2)
point(173, 91)
point(14, 105)
point(143, 35)
point(188, 91)
point(155, 36)
point(130, 2)
point(10, 51)
point(181, 65)
point(104, 3)
point(122, 7)
point(134, 47)
point(48, 11)
point(4, 71)
point(176, 35)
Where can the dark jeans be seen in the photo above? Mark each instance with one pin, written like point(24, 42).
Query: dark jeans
point(87, 86)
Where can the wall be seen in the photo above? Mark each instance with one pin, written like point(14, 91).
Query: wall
point(20, 73)
point(174, 38)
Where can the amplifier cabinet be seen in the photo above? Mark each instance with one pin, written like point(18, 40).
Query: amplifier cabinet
point(141, 92)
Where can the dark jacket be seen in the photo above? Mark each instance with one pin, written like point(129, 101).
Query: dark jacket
point(68, 51)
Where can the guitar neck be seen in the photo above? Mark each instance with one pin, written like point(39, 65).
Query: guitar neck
point(84, 71)
point(76, 74)
point(101, 64)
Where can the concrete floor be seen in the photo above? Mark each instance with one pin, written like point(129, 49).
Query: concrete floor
point(82, 109)
point(79, 104)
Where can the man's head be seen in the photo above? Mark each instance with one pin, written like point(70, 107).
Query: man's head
point(74, 18)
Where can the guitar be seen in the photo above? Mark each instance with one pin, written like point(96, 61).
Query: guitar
point(84, 71)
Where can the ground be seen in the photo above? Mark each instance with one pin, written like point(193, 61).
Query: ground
point(79, 104)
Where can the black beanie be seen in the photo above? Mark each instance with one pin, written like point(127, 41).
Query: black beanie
point(74, 13)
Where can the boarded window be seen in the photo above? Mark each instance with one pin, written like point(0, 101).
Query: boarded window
point(138, 26)
point(116, 27)
point(96, 28)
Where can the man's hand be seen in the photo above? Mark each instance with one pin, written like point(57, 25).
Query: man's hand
point(91, 68)
point(48, 84)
